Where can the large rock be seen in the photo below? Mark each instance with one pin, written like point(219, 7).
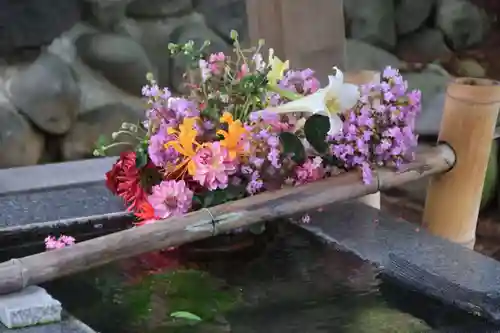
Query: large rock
point(81, 141)
point(195, 29)
point(225, 15)
point(154, 36)
point(470, 68)
point(32, 23)
point(361, 55)
point(47, 93)
point(119, 59)
point(95, 90)
point(462, 22)
point(372, 21)
point(20, 144)
point(159, 8)
point(432, 82)
point(105, 14)
point(411, 14)
point(423, 46)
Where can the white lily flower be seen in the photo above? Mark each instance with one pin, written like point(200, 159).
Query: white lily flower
point(328, 101)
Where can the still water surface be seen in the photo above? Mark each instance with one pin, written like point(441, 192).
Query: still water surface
point(292, 283)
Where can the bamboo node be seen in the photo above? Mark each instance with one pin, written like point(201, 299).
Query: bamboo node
point(214, 222)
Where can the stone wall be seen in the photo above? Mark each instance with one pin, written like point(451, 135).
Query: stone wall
point(81, 73)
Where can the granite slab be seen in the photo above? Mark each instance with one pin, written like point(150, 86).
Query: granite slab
point(69, 324)
point(28, 307)
point(55, 192)
point(412, 257)
point(53, 204)
point(55, 175)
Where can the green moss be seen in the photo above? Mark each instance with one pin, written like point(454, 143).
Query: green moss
point(196, 292)
point(149, 303)
point(386, 320)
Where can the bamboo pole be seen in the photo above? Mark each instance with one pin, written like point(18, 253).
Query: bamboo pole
point(360, 78)
point(469, 118)
point(19, 273)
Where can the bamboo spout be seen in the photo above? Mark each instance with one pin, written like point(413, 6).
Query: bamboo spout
point(360, 78)
point(469, 119)
point(19, 273)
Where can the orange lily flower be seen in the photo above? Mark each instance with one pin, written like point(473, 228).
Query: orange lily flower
point(185, 144)
point(233, 136)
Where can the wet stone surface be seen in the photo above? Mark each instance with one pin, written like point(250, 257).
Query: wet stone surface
point(412, 257)
point(56, 204)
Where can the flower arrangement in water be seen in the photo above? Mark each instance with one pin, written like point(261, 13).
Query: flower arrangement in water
point(245, 125)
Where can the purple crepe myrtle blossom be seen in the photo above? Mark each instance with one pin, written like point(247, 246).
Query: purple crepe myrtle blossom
point(379, 131)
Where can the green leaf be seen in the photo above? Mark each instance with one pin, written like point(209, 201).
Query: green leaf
point(185, 315)
point(333, 161)
point(213, 198)
point(293, 147)
point(235, 192)
point(141, 156)
point(316, 129)
point(197, 200)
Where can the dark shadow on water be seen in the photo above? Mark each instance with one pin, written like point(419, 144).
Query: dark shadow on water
point(293, 283)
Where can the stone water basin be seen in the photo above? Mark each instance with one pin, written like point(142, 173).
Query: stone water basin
point(292, 283)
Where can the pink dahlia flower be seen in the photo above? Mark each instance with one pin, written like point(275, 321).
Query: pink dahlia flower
point(213, 166)
point(170, 198)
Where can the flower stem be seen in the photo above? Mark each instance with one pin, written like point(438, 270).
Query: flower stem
point(116, 134)
point(116, 144)
point(284, 93)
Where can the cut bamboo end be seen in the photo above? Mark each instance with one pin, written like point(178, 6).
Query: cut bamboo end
point(468, 124)
point(360, 78)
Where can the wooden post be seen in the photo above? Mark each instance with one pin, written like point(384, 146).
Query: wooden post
point(468, 124)
point(309, 35)
point(359, 78)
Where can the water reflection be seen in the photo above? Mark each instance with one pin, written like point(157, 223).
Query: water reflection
point(293, 284)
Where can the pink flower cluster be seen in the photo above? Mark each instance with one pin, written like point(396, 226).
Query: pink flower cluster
point(214, 65)
point(310, 171)
point(52, 243)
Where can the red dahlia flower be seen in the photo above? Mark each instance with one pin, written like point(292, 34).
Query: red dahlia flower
point(124, 180)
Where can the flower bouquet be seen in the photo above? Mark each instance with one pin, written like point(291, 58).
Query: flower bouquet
point(245, 125)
